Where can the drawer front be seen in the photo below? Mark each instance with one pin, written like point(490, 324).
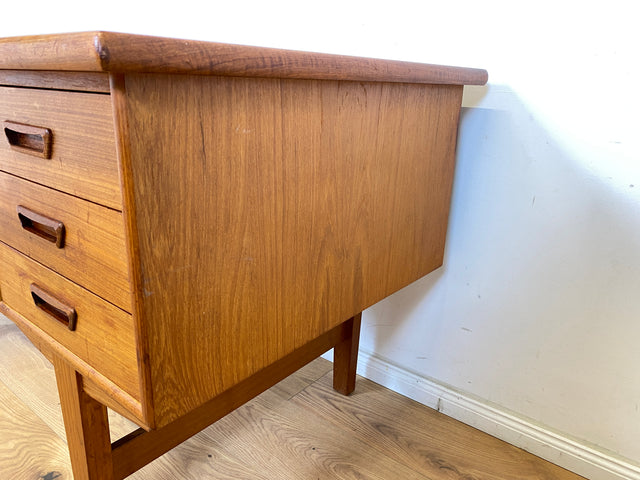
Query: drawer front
point(103, 336)
point(88, 247)
point(64, 140)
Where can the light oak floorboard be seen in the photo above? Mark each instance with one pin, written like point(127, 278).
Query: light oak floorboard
point(422, 438)
point(29, 449)
point(299, 429)
point(35, 384)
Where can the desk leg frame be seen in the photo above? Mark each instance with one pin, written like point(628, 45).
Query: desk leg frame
point(87, 426)
point(345, 358)
point(94, 457)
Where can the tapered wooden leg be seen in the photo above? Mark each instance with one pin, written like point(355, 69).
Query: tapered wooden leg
point(345, 358)
point(87, 427)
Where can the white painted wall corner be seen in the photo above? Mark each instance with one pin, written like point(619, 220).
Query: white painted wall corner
point(572, 454)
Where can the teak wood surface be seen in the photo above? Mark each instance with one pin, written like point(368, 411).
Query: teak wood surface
point(83, 160)
point(304, 203)
point(116, 52)
point(94, 252)
point(266, 197)
point(104, 335)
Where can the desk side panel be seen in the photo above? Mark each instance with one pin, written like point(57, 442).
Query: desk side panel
point(269, 211)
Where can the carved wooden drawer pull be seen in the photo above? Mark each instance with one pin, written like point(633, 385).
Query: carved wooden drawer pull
point(29, 139)
point(48, 228)
point(54, 307)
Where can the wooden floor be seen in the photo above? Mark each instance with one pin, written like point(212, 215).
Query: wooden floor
point(300, 429)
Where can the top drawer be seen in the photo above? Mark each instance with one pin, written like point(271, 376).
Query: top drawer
point(83, 160)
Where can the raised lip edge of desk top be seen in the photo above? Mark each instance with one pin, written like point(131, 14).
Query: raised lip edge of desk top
point(124, 53)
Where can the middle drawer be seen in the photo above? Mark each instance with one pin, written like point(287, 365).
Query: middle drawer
point(92, 250)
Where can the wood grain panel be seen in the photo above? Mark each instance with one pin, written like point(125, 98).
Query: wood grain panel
point(117, 52)
point(72, 51)
point(83, 162)
point(104, 335)
point(78, 81)
point(94, 253)
point(270, 211)
point(121, 118)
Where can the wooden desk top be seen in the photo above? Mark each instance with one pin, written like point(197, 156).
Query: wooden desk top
point(117, 52)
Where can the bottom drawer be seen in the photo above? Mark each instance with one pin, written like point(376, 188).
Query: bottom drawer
point(94, 330)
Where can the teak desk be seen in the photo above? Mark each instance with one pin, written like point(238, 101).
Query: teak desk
point(183, 224)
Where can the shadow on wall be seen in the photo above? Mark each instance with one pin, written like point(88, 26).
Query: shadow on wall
point(537, 305)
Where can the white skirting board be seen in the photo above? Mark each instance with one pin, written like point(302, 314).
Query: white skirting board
point(583, 459)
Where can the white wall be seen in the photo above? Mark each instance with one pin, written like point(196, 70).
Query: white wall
point(537, 308)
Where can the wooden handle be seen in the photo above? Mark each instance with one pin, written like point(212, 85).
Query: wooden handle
point(54, 307)
point(48, 228)
point(29, 139)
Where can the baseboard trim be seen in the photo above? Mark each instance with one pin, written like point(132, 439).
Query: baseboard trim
point(576, 456)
